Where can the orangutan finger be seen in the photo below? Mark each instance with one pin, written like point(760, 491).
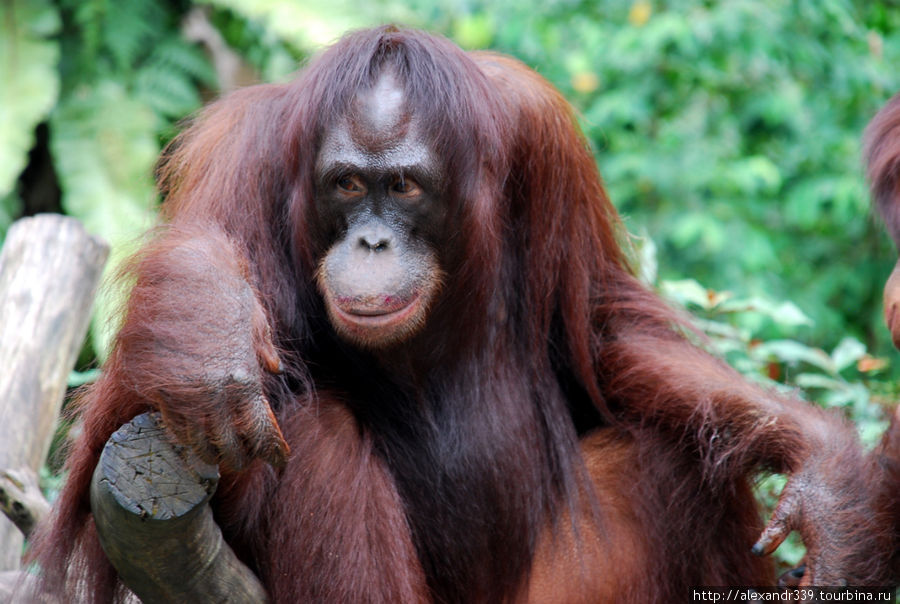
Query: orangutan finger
point(772, 536)
point(260, 428)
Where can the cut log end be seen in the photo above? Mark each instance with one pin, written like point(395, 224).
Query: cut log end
point(149, 497)
point(152, 476)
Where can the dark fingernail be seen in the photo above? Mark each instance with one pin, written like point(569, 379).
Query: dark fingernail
point(798, 572)
point(758, 550)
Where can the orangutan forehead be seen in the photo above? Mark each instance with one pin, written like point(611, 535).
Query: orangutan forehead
point(379, 116)
point(378, 133)
point(342, 147)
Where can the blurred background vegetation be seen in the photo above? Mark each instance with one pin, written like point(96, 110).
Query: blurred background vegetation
point(728, 133)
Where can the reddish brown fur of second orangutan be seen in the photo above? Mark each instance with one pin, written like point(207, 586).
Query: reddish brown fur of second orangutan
point(882, 155)
point(885, 471)
point(548, 433)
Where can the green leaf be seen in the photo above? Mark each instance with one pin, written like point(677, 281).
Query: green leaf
point(786, 314)
point(474, 31)
point(753, 175)
point(128, 27)
point(685, 292)
point(81, 378)
point(870, 432)
point(166, 82)
point(790, 315)
point(29, 82)
point(168, 92)
point(645, 255)
point(817, 380)
point(694, 228)
point(104, 145)
point(848, 352)
point(791, 352)
point(855, 396)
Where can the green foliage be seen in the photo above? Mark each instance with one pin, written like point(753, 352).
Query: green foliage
point(274, 58)
point(841, 378)
point(167, 80)
point(29, 84)
point(104, 146)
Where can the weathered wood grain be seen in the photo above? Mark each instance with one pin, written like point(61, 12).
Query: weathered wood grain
point(49, 271)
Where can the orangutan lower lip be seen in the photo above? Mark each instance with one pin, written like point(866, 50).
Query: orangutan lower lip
point(374, 312)
point(378, 316)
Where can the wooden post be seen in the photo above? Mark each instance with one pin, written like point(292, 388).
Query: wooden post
point(149, 497)
point(49, 271)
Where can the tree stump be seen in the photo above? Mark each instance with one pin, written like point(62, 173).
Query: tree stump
point(149, 497)
point(49, 271)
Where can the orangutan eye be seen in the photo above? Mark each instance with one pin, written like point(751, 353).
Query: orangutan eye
point(351, 185)
point(406, 187)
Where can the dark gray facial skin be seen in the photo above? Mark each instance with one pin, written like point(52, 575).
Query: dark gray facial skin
point(378, 189)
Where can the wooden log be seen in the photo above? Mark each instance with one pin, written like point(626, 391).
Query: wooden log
point(49, 271)
point(149, 497)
